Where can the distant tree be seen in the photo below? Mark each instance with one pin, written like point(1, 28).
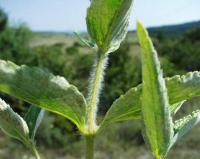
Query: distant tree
point(3, 20)
point(193, 35)
point(14, 45)
point(160, 36)
point(183, 53)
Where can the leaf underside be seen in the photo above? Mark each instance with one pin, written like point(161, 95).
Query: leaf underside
point(107, 22)
point(184, 125)
point(158, 127)
point(13, 124)
point(43, 89)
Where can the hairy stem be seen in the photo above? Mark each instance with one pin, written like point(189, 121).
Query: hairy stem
point(89, 147)
point(94, 91)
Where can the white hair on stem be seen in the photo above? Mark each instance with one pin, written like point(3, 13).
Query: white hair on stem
point(95, 87)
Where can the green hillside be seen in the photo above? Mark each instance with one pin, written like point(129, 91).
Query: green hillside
point(174, 30)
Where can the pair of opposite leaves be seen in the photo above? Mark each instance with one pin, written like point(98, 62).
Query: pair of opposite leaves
point(55, 94)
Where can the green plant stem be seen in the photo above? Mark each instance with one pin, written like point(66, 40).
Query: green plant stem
point(158, 157)
point(34, 151)
point(89, 147)
point(94, 91)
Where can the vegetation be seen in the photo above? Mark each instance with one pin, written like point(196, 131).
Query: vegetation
point(124, 73)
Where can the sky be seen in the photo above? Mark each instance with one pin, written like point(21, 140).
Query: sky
point(69, 15)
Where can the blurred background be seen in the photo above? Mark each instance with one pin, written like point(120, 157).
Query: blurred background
point(40, 33)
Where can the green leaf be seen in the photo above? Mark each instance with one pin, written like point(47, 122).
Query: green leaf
point(13, 124)
point(107, 23)
point(33, 119)
point(183, 87)
point(158, 126)
point(174, 108)
point(184, 125)
point(43, 89)
point(128, 106)
point(84, 41)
